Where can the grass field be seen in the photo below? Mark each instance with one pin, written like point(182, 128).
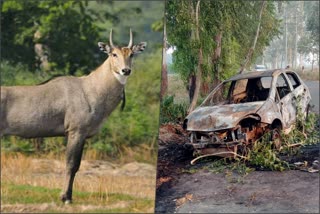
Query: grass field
point(177, 89)
point(29, 184)
point(309, 75)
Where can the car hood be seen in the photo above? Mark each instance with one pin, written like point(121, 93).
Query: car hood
point(212, 118)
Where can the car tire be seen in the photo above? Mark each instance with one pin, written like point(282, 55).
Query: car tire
point(276, 139)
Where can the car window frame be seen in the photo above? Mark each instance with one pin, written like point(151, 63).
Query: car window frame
point(295, 78)
point(287, 82)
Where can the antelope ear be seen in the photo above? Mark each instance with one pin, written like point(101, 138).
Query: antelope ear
point(136, 49)
point(104, 47)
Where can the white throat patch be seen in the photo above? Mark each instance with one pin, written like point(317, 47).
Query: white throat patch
point(121, 78)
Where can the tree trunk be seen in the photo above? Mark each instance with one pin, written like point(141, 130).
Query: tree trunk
point(164, 72)
point(312, 61)
point(192, 77)
point(251, 50)
point(199, 71)
point(296, 41)
point(191, 86)
point(216, 58)
point(41, 52)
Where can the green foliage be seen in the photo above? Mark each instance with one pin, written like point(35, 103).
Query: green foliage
point(64, 29)
point(141, 16)
point(304, 133)
point(299, 23)
point(311, 128)
point(313, 22)
point(70, 30)
point(262, 155)
point(18, 74)
point(171, 112)
point(237, 22)
point(13, 144)
point(306, 44)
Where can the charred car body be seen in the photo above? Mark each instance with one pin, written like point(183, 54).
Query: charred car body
point(241, 109)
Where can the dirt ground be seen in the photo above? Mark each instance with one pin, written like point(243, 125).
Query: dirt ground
point(202, 191)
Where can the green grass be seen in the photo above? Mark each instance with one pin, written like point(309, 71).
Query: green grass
point(27, 194)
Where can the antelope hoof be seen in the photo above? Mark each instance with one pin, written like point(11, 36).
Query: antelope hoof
point(65, 200)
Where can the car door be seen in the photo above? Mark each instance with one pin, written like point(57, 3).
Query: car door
point(285, 101)
point(301, 94)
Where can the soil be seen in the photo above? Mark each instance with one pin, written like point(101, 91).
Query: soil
point(182, 188)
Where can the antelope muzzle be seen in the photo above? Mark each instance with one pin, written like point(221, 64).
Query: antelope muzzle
point(126, 71)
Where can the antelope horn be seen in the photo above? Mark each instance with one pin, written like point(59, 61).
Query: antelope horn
point(110, 39)
point(130, 42)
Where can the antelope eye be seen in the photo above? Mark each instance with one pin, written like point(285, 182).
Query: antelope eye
point(114, 55)
point(131, 55)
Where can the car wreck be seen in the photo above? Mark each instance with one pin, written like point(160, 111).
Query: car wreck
point(243, 108)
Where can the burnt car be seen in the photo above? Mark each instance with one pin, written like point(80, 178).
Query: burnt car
point(241, 109)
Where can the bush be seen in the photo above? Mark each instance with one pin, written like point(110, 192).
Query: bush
point(20, 75)
point(263, 156)
point(171, 112)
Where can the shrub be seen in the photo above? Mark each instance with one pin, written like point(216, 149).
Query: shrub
point(20, 75)
point(171, 112)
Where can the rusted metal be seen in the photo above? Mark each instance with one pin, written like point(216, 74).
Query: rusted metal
point(213, 118)
point(241, 109)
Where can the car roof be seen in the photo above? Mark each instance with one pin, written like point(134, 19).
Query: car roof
point(255, 74)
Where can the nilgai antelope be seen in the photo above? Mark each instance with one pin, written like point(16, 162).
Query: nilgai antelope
point(69, 106)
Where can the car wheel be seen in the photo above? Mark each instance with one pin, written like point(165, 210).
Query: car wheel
point(276, 138)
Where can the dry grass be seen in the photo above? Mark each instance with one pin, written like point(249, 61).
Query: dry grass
point(142, 153)
point(104, 178)
point(310, 75)
point(177, 89)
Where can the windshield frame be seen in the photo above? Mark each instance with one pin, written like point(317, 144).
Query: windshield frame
point(208, 101)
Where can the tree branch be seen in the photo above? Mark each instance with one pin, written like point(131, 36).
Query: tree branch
point(251, 50)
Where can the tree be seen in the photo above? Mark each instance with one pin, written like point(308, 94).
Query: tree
point(160, 26)
point(65, 33)
point(65, 30)
point(308, 46)
point(251, 50)
point(164, 70)
point(313, 22)
point(226, 33)
point(200, 58)
point(299, 19)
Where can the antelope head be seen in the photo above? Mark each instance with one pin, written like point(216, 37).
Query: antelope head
point(121, 57)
